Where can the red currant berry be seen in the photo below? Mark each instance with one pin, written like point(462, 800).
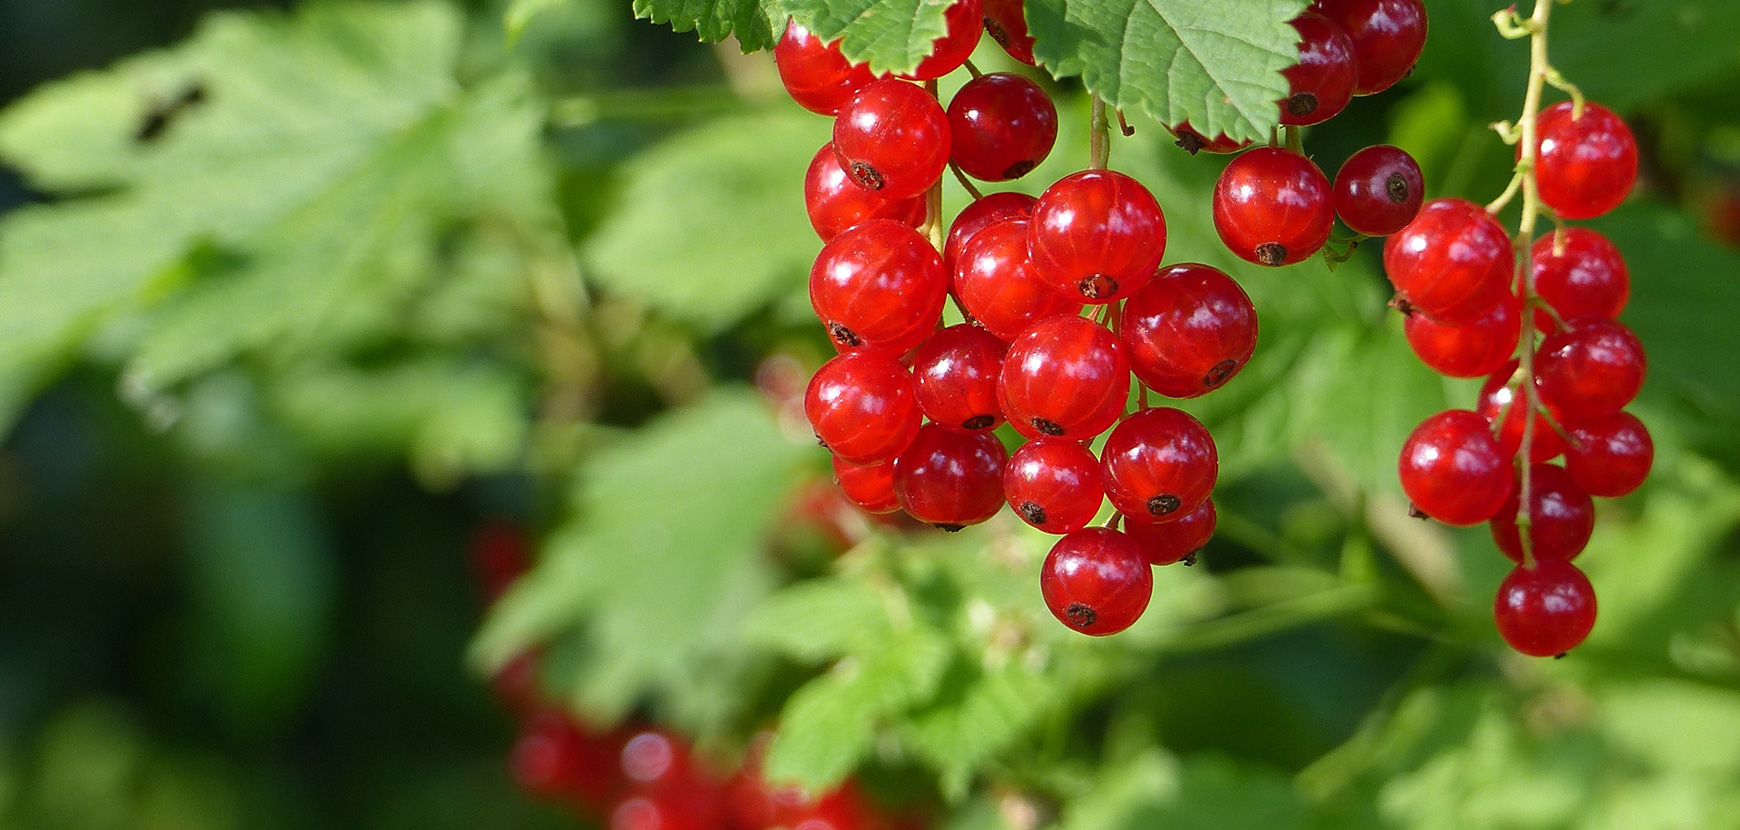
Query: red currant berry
point(1002, 126)
point(1066, 377)
point(1167, 542)
point(1096, 581)
point(1453, 263)
point(1159, 464)
point(876, 284)
point(863, 407)
point(1496, 396)
point(1546, 610)
point(996, 286)
point(1471, 350)
point(965, 22)
point(1193, 141)
point(1594, 367)
point(547, 756)
point(1578, 272)
point(1271, 207)
point(1321, 83)
point(1098, 234)
point(1189, 330)
point(1610, 456)
point(500, 554)
point(1453, 470)
point(1587, 165)
point(951, 479)
point(815, 74)
point(870, 488)
point(1054, 485)
point(1561, 517)
point(1387, 36)
point(1378, 190)
point(892, 138)
point(1006, 23)
point(980, 215)
point(835, 203)
point(957, 370)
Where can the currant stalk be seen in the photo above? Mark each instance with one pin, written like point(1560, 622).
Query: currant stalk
point(935, 229)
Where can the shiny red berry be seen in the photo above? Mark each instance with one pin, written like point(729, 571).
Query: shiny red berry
point(1378, 190)
point(1578, 272)
point(1497, 395)
point(1610, 456)
point(1164, 543)
point(863, 407)
point(1189, 330)
point(1453, 263)
point(965, 22)
point(951, 479)
point(870, 488)
point(893, 138)
point(1471, 350)
point(1066, 377)
point(1096, 581)
point(979, 215)
point(1006, 23)
point(876, 284)
point(1561, 517)
point(1271, 207)
point(1321, 83)
point(1546, 610)
point(1193, 141)
point(1159, 464)
point(997, 288)
point(815, 74)
point(1453, 470)
point(1587, 165)
point(1594, 367)
point(1387, 37)
point(957, 371)
point(836, 203)
point(1001, 125)
point(1054, 485)
point(1098, 234)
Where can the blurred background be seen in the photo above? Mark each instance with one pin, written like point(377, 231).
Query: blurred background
point(320, 323)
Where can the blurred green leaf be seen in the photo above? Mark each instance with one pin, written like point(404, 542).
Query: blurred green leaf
point(820, 619)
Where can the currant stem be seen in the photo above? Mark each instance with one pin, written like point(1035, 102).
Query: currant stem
point(1294, 142)
point(1099, 138)
point(965, 182)
point(973, 70)
point(1124, 126)
point(933, 221)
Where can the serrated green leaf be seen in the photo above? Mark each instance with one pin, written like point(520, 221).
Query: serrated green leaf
point(820, 619)
point(715, 20)
point(889, 35)
point(979, 714)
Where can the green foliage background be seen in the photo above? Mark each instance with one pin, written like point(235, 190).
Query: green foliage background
point(408, 265)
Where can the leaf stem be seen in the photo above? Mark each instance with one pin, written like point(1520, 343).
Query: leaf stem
point(1099, 135)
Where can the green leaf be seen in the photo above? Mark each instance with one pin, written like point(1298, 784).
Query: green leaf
point(714, 20)
point(979, 714)
point(889, 35)
point(820, 619)
point(520, 13)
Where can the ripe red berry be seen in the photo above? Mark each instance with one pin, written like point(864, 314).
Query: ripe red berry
point(1594, 367)
point(1387, 36)
point(957, 371)
point(1193, 141)
point(1378, 190)
point(1159, 464)
point(892, 138)
point(1066, 377)
point(979, 215)
point(1006, 23)
point(870, 488)
point(1579, 272)
point(500, 553)
point(1001, 126)
point(836, 203)
point(965, 25)
point(1546, 610)
point(1587, 165)
point(1096, 582)
point(1164, 543)
point(1271, 207)
point(951, 479)
point(1497, 396)
point(1054, 485)
point(1453, 263)
point(996, 286)
point(876, 284)
point(1561, 517)
point(1453, 470)
point(554, 758)
point(1189, 330)
point(1097, 234)
point(815, 74)
point(1471, 350)
point(1610, 456)
point(1321, 83)
point(863, 407)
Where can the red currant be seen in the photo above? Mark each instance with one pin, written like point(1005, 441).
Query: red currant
point(1193, 141)
point(1054, 485)
point(876, 284)
point(862, 406)
point(1321, 83)
point(951, 479)
point(1378, 190)
point(1610, 456)
point(1561, 517)
point(965, 24)
point(1167, 542)
point(1271, 207)
point(1189, 330)
point(1546, 610)
point(1579, 272)
point(892, 138)
point(554, 759)
point(1587, 165)
point(836, 203)
point(1159, 464)
point(1096, 581)
point(1387, 36)
point(1497, 395)
point(1098, 234)
point(1067, 377)
point(1002, 126)
point(870, 488)
point(1594, 367)
point(957, 370)
point(996, 286)
point(1006, 23)
point(1453, 470)
point(981, 214)
point(815, 74)
point(1471, 350)
point(1453, 263)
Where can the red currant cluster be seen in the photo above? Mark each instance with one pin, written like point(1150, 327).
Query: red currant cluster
point(1453, 269)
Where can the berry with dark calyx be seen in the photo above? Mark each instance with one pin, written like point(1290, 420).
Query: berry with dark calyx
point(1272, 207)
point(956, 371)
point(1321, 83)
point(965, 22)
point(1453, 263)
point(1098, 235)
point(1189, 330)
point(1546, 610)
point(981, 214)
point(1497, 395)
point(1096, 581)
point(1453, 470)
point(1066, 377)
point(870, 488)
point(1579, 272)
point(1471, 350)
point(863, 407)
point(1001, 125)
point(1594, 367)
point(1587, 165)
point(1610, 455)
point(1159, 464)
point(815, 74)
point(1378, 190)
point(893, 138)
point(1164, 543)
point(1387, 36)
point(1006, 23)
point(1561, 517)
point(1193, 141)
point(996, 286)
point(1054, 485)
point(836, 203)
point(951, 479)
point(876, 284)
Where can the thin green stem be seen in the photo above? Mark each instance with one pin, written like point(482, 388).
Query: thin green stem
point(1099, 135)
point(973, 70)
point(933, 218)
point(1295, 141)
point(965, 182)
